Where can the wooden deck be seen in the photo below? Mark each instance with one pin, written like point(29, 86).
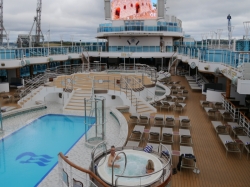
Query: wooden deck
point(215, 168)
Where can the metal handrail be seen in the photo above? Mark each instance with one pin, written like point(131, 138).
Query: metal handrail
point(93, 154)
point(113, 167)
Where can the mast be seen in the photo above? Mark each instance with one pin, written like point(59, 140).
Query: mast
point(38, 20)
point(2, 29)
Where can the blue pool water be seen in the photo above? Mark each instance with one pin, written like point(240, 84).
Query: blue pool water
point(29, 154)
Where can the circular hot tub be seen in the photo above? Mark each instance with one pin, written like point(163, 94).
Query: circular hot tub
point(136, 166)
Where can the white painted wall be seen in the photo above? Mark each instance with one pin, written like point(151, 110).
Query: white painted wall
point(214, 96)
point(53, 97)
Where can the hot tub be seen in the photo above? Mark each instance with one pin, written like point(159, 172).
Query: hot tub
point(136, 166)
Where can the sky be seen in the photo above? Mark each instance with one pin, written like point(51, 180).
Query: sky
point(79, 20)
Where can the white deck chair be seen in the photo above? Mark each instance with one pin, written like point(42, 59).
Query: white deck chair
point(154, 134)
point(170, 120)
point(188, 160)
point(132, 144)
point(137, 133)
point(246, 141)
point(144, 119)
point(185, 136)
point(167, 135)
point(229, 144)
point(219, 127)
point(134, 118)
point(159, 120)
point(184, 122)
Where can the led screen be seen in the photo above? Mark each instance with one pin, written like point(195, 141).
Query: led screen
point(133, 9)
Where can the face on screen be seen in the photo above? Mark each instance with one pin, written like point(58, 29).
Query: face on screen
point(133, 9)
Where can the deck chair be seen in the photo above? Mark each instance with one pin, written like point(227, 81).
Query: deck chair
point(184, 122)
point(218, 105)
point(229, 144)
point(16, 97)
point(154, 134)
point(155, 147)
point(246, 141)
point(159, 120)
point(6, 98)
point(174, 92)
point(187, 159)
point(180, 99)
point(205, 104)
point(173, 88)
point(185, 93)
point(132, 144)
point(239, 131)
point(178, 108)
point(165, 105)
point(168, 98)
point(227, 116)
point(170, 121)
point(181, 88)
point(167, 135)
point(157, 104)
point(212, 113)
point(137, 133)
point(144, 119)
point(134, 118)
point(177, 82)
point(185, 136)
point(219, 127)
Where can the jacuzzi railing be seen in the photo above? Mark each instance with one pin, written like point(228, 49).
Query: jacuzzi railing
point(113, 168)
point(164, 183)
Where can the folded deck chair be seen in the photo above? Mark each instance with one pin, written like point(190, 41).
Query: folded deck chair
point(167, 135)
point(246, 141)
point(184, 122)
point(144, 119)
point(185, 136)
point(159, 120)
point(187, 159)
point(134, 118)
point(219, 127)
point(229, 144)
point(154, 134)
point(132, 144)
point(137, 133)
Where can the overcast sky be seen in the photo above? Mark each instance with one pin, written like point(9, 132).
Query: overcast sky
point(80, 18)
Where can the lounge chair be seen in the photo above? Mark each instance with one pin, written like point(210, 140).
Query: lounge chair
point(205, 104)
point(167, 135)
point(218, 105)
point(169, 121)
point(9, 108)
point(134, 119)
point(178, 108)
point(185, 93)
point(187, 159)
point(154, 134)
point(144, 119)
point(157, 104)
point(132, 144)
point(184, 122)
point(137, 133)
point(219, 127)
point(185, 136)
point(246, 142)
point(168, 98)
point(239, 131)
point(159, 120)
point(229, 144)
point(211, 113)
point(180, 99)
point(227, 116)
point(165, 105)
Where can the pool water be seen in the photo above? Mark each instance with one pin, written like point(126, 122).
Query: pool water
point(136, 165)
point(29, 154)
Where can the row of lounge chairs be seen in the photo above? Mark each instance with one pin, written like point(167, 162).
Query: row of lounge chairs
point(7, 108)
point(232, 145)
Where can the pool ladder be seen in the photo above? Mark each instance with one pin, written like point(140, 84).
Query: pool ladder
point(113, 168)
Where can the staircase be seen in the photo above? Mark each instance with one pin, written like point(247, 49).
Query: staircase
point(76, 102)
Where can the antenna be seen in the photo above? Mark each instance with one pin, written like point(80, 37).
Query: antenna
point(219, 32)
point(247, 28)
point(230, 30)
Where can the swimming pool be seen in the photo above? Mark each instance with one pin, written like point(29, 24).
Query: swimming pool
point(29, 154)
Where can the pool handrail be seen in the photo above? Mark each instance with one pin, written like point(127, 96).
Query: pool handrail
point(139, 176)
point(83, 170)
point(93, 154)
point(113, 167)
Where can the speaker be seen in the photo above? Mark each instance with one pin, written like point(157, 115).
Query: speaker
point(113, 97)
point(60, 95)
